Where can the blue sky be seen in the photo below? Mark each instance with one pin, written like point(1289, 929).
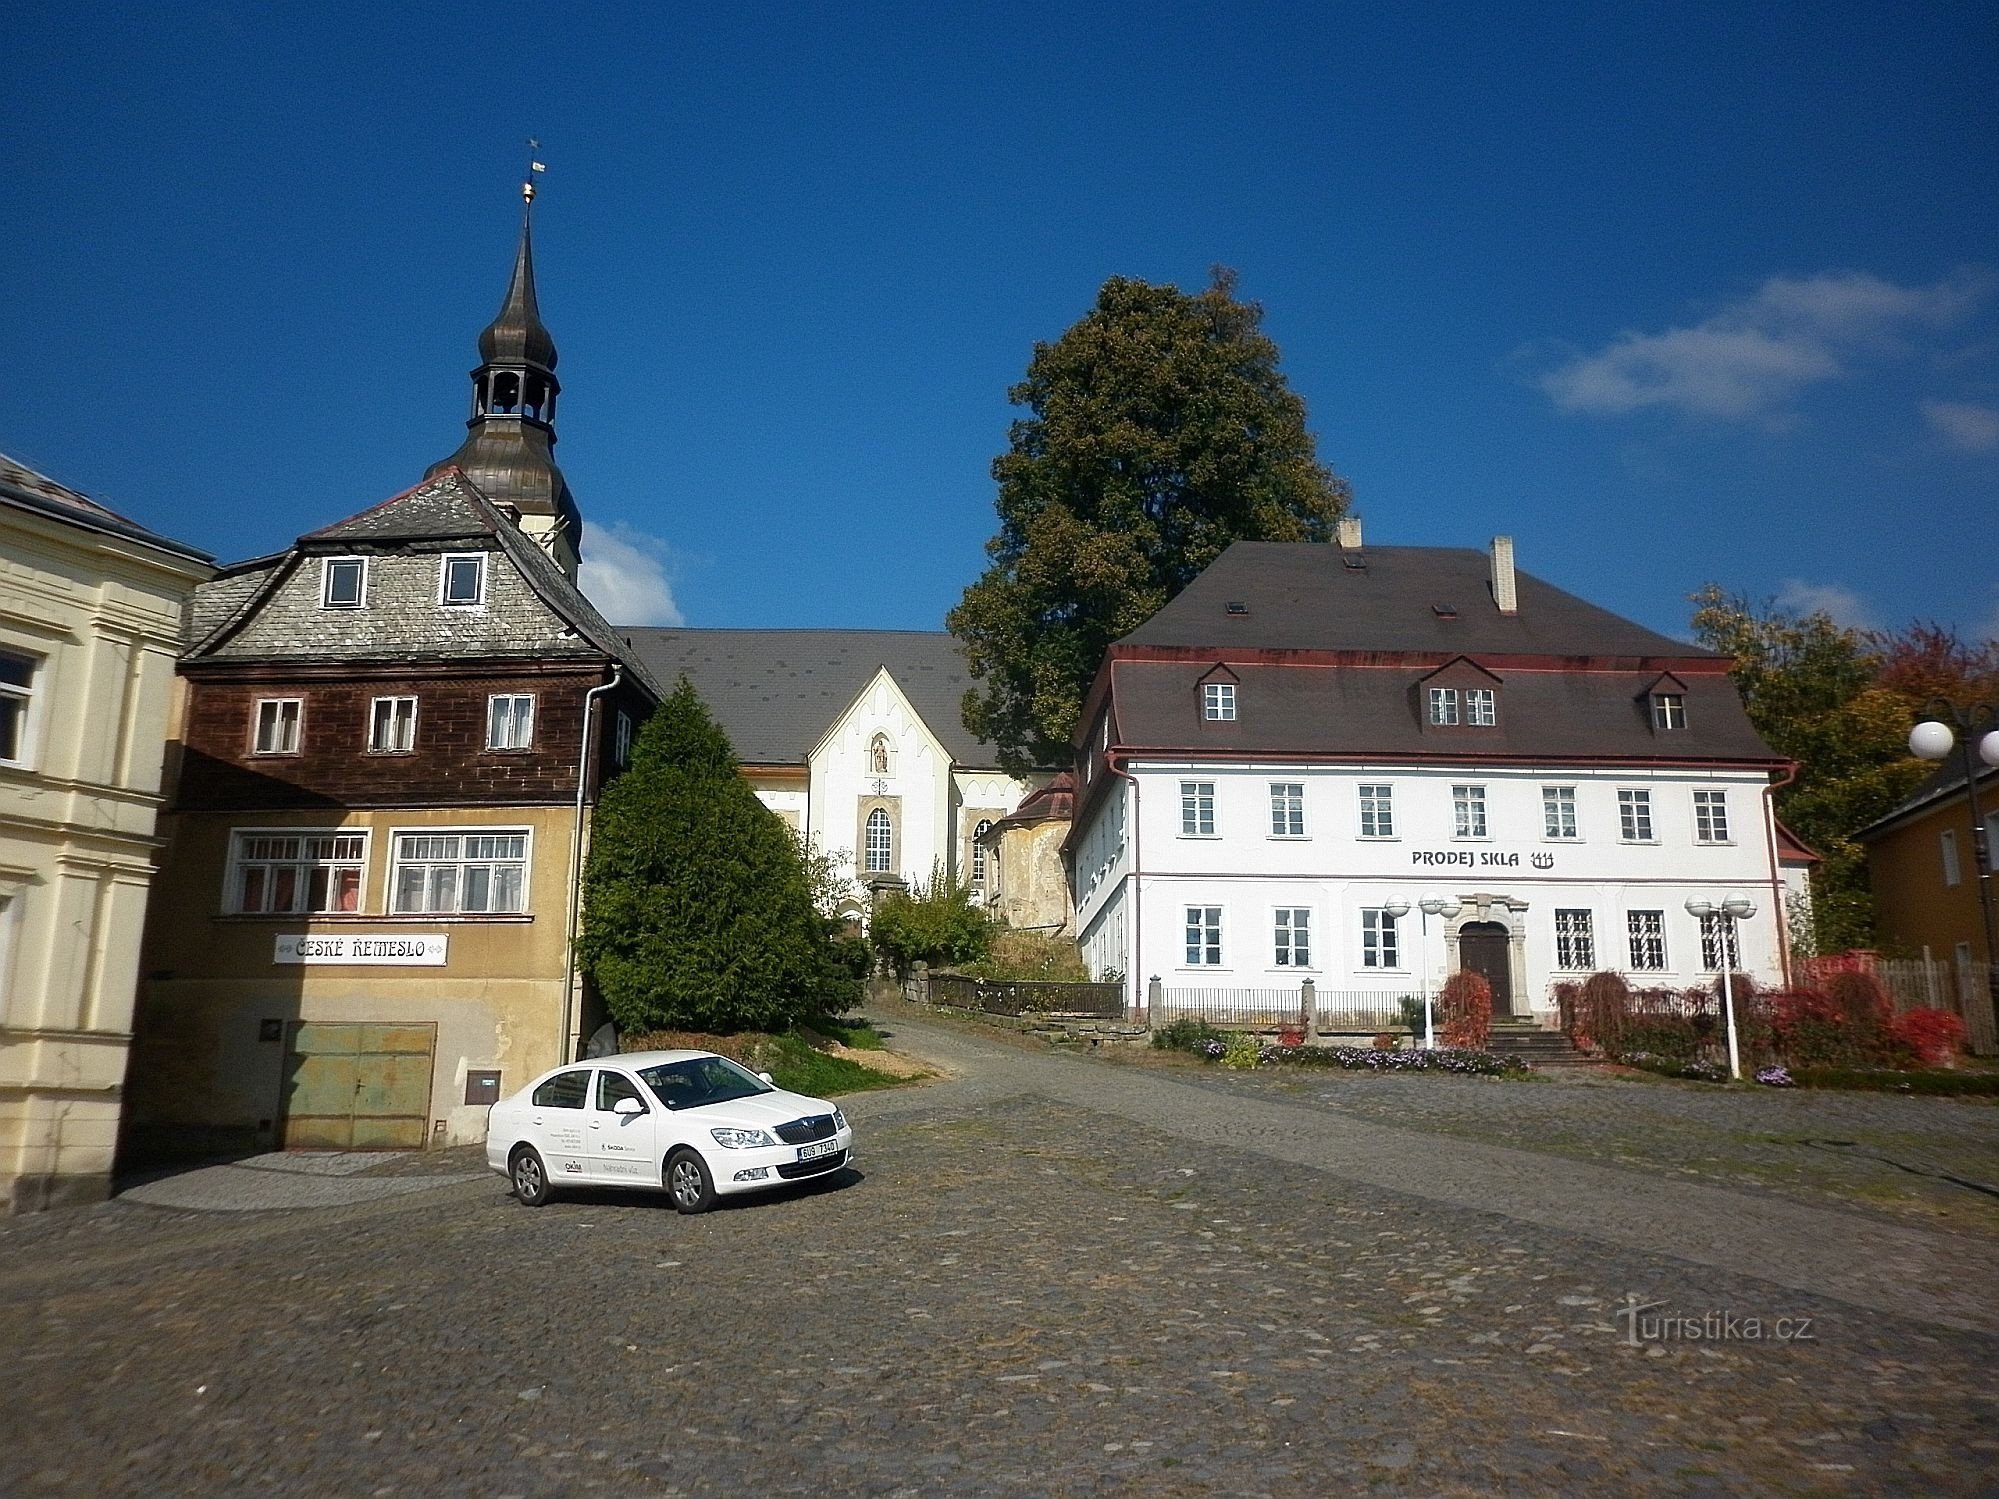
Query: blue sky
point(1668, 293)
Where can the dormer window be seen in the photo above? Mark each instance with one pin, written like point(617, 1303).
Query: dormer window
point(1481, 707)
point(1669, 710)
point(1218, 702)
point(1444, 707)
point(343, 583)
point(461, 580)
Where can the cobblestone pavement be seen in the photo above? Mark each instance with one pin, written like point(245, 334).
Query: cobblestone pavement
point(1048, 1276)
point(304, 1179)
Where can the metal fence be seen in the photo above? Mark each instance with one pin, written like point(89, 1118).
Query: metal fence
point(1022, 997)
point(1334, 1011)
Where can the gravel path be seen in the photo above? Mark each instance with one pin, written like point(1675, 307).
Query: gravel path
point(1048, 1276)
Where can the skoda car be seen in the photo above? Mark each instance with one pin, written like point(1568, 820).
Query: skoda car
point(689, 1123)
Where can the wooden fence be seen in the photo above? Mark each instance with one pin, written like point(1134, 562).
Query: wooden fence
point(1965, 989)
point(1019, 997)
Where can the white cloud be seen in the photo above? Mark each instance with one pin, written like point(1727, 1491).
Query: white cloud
point(1846, 607)
point(1749, 358)
point(1965, 426)
point(624, 575)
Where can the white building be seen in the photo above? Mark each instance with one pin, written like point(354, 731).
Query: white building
point(1311, 738)
point(854, 737)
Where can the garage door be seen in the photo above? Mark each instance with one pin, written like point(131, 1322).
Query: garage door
point(358, 1087)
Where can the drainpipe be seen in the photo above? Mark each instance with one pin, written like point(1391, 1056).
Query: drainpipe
point(1783, 915)
point(572, 1042)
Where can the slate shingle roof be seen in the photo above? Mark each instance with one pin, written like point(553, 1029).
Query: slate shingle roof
point(776, 692)
point(269, 608)
point(1946, 781)
point(23, 487)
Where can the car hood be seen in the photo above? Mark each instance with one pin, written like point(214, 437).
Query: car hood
point(759, 1112)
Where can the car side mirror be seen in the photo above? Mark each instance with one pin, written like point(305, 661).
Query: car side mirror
point(766, 1077)
point(628, 1106)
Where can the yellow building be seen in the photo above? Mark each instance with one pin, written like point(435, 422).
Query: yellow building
point(1922, 860)
point(90, 622)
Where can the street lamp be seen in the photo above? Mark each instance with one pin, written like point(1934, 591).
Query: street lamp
point(1932, 739)
point(1395, 910)
point(1735, 908)
point(1432, 905)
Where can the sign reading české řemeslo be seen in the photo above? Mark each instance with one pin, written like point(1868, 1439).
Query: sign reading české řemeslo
point(393, 949)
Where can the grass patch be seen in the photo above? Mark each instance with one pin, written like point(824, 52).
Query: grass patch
point(790, 1059)
point(1940, 1084)
point(859, 1034)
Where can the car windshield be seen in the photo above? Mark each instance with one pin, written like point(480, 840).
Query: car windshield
point(701, 1080)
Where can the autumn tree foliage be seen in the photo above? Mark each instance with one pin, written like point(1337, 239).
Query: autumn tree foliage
point(1159, 430)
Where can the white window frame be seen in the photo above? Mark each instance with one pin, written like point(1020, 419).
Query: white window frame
point(444, 599)
point(1711, 817)
point(1287, 806)
point(1669, 711)
point(1560, 822)
point(26, 701)
point(1645, 934)
point(1376, 800)
point(1953, 866)
point(1468, 815)
point(887, 825)
point(1201, 937)
point(493, 701)
point(1634, 815)
point(1218, 702)
point(297, 705)
point(326, 567)
point(621, 739)
point(1380, 940)
point(1482, 707)
point(374, 722)
point(979, 861)
point(239, 863)
point(463, 860)
point(1291, 938)
point(1197, 810)
point(1444, 708)
point(1575, 939)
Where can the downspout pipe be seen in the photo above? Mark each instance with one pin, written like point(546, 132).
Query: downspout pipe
point(1112, 759)
point(571, 1014)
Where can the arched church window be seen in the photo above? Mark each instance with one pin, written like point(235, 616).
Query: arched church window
point(506, 393)
point(881, 843)
point(878, 757)
point(537, 396)
point(979, 850)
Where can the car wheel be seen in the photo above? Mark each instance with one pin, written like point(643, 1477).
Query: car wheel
point(688, 1182)
point(530, 1177)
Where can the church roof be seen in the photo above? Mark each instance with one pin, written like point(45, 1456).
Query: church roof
point(26, 489)
point(776, 692)
point(517, 334)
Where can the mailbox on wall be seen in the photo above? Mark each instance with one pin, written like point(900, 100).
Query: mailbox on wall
point(482, 1086)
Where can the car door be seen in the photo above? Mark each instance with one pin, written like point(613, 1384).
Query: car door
point(555, 1122)
point(622, 1147)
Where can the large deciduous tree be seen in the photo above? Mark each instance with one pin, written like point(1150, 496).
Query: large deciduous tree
point(697, 905)
point(1159, 431)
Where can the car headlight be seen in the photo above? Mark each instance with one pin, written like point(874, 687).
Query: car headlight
point(839, 1119)
point(740, 1139)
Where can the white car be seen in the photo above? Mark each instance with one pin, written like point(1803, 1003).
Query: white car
point(690, 1123)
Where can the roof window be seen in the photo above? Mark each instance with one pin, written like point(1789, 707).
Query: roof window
point(1237, 606)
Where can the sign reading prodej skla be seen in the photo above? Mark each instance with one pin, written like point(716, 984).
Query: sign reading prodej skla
point(395, 949)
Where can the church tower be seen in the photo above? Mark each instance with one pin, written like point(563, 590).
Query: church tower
point(509, 450)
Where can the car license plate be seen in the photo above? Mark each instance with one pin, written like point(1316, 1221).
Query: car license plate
point(813, 1152)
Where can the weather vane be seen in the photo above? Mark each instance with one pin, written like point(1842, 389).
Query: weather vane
point(534, 167)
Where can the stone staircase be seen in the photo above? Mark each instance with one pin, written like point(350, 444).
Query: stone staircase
point(1536, 1047)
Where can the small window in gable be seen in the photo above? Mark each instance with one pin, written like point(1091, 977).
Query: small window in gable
point(461, 580)
point(344, 583)
point(1218, 701)
point(1444, 706)
point(1669, 710)
point(1481, 707)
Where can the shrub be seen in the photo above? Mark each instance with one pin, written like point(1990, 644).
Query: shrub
point(1387, 1041)
point(1807, 1028)
point(1411, 1006)
point(1032, 957)
point(1242, 1051)
point(1700, 1072)
point(935, 924)
point(1602, 1007)
point(1418, 1059)
point(1885, 1080)
point(1466, 1005)
point(1933, 1037)
point(1672, 1036)
point(1189, 1033)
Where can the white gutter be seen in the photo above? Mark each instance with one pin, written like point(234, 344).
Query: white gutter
point(572, 1041)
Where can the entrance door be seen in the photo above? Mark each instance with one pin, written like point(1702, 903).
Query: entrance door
point(1486, 947)
point(358, 1087)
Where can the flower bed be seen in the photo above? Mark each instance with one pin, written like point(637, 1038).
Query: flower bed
point(1936, 1083)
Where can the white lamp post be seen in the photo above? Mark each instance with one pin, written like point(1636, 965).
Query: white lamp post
point(1432, 905)
point(1932, 739)
point(1395, 909)
point(1735, 908)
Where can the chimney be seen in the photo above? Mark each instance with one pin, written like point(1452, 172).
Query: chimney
point(1503, 593)
point(1348, 532)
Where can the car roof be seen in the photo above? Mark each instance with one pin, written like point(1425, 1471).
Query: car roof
point(652, 1058)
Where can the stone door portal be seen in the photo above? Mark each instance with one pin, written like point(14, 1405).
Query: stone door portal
point(1483, 947)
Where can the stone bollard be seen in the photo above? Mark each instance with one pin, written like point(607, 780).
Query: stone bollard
point(1308, 1001)
point(919, 982)
point(1155, 1001)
